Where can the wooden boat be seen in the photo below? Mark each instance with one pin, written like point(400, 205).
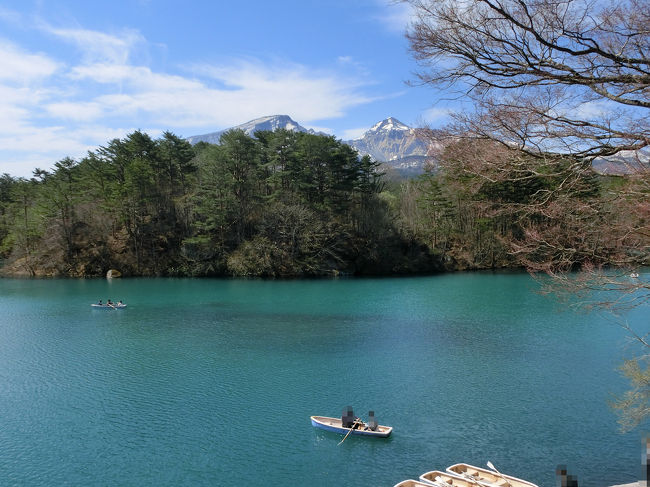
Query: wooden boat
point(108, 306)
point(335, 425)
point(487, 477)
point(411, 483)
point(446, 479)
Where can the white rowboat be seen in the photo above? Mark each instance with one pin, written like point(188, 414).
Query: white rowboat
point(488, 478)
point(336, 425)
point(446, 479)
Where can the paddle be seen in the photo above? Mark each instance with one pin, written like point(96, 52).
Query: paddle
point(489, 464)
point(112, 306)
point(353, 424)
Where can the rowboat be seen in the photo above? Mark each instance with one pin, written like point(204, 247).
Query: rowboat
point(411, 483)
point(336, 425)
point(486, 477)
point(445, 479)
point(108, 306)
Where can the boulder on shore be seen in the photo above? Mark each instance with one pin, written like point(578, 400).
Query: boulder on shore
point(113, 273)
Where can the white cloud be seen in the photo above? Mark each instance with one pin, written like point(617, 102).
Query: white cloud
point(592, 110)
point(50, 107)
point(395, 16)
point(23, 67)
point(80, 111)
point(351, 134)
point(576, 109)
point(27, 148)
point(227, 95)
point(435, 116)
point(99, 47)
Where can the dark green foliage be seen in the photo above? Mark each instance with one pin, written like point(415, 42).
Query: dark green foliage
point(277, 204)
point(7, 184)
point(287, 204)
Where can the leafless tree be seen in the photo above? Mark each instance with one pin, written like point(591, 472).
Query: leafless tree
point(567, 75)
point(557, 85)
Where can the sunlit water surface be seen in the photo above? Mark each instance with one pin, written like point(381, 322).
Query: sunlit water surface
point(212, 382)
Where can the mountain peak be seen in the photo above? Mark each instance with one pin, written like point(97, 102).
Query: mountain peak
point(270, 122)
point(389, 141)
point(390, 123)
point(394, 143)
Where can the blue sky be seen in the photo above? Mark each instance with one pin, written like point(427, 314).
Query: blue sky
point(76, 73)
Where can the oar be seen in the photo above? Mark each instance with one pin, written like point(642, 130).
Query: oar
point(489, 464)
point(438, 483)
point(471, 478)
point(112, 306)
point(355, 422)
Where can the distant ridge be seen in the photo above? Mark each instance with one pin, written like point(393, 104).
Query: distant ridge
point(398, 146)
point(271, 122)
point(625, 162)
point(389, 141)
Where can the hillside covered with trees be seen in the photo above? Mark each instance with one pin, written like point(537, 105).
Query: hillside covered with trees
point(279, 204)
point(289, 204)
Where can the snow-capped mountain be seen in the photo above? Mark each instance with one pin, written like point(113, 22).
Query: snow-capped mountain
point(394, 143)
point(389, 141)
point(398, 146)
point(625, 162)
point(272, 122)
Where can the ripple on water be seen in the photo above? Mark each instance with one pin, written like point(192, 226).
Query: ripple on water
point(212, 382)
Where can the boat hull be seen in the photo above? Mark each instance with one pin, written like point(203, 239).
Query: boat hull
point(106, 306)
point(411, 483)
point(334, 425)
point(445, 479)
point(487, 478)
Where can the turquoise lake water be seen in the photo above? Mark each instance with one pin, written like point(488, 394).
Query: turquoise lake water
point(210, 382)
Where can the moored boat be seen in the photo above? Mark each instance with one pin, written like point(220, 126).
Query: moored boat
point(411, 483)
point(446, 479)
point(487, 477)
point(360, 428)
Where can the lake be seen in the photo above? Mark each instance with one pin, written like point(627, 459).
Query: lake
point(212, 381)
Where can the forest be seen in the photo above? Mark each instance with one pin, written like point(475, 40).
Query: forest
point(290, 204)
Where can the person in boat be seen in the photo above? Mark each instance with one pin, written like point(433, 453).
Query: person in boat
point(100, 303)
point(109, 302)
point(372, 422)
point(119, 303)
point(347, 418)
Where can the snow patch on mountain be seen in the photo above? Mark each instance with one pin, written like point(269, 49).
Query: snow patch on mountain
point(394, 143)
point(389, 124)
point(389, 141)
point(271, 123)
